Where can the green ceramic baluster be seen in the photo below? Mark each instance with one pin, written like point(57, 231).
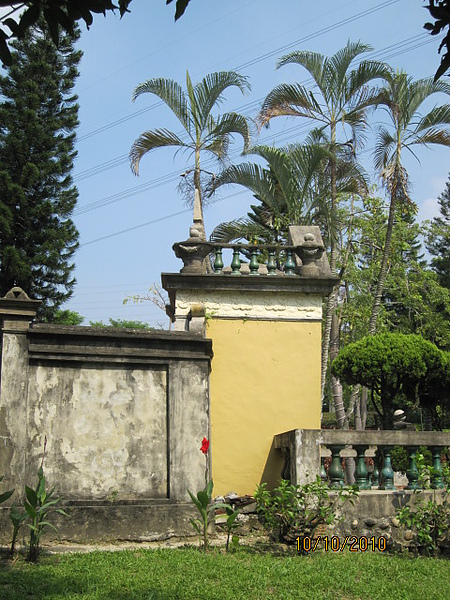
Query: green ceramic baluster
point(289, 265)
point(271, 263)
point(335, 472)
point(387, 473)
point(236, 263)
point(437, 482)
point(412, 472)
point(323, 473)
point(361, 474)
point(218, 261)
point(254, 264)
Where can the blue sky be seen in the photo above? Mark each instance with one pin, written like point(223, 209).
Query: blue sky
point(128, 224)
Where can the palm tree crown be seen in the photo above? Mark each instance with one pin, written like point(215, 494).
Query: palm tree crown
point(292, 190)
point(344, 94)
point(202, 131)
point(403, 99)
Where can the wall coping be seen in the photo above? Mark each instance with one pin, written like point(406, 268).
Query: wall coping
point(60, 342)
point(367, 437)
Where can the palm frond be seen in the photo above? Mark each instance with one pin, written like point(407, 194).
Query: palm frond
point(171, 93)
point(209, 91)
point(338, 66)
point(384, 148)
point(236, 230)
point(439, 115)
point(290, 100)
point(150, 140)
point(432, 136)
point(226, 125)
point(251, 176)
point(313, 62)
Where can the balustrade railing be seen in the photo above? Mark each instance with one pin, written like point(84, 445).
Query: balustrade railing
point(306, 450)
point(254, 259)
point(260, 259)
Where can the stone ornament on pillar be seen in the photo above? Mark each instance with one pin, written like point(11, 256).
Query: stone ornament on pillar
point(193, 252)
point(17, 309)
point(311, 259)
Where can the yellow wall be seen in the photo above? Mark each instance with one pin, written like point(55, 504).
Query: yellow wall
point(265, 380)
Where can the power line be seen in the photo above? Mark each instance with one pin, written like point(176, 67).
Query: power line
point(165, 218)
point(252, 62)
point(397, 49)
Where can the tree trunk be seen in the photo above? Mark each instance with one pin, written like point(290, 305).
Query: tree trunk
point(332, 298)
point(336, 386)
point(384, 262)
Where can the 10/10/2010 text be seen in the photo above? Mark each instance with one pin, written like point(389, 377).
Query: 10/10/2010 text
point(336, 544)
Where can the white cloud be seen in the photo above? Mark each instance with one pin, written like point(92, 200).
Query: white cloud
point(428, 209)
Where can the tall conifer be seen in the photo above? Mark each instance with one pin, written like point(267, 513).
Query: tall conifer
point(438, 239)
point(38, 117)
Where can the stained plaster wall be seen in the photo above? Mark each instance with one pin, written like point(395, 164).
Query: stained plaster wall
point(123, 412)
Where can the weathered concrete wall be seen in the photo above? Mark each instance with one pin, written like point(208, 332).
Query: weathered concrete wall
point(123, 412)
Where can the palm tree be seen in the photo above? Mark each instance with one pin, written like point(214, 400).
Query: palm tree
point(342, 99)
point(403, 98)
point(291, 190)
point(202, 131)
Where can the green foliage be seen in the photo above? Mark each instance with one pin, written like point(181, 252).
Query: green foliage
point(258, 572)
point(18, 518)
point(389, 365)
point(399, 458)
point(297, 510)
point(39, 114)
point(5, 495)
point(440, 12)
point(231, 524)
point(203, 132)
point(65, 317)
point(428, 518)
point(202, 502)
point(438, 239)
point(39, 504)
point(329, 420)
point(57, 15)
point(121, 324)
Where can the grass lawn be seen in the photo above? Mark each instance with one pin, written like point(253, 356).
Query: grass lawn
point(187, 573)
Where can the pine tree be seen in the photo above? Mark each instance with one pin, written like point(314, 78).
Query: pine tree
point(438, 239)
point(38, 116)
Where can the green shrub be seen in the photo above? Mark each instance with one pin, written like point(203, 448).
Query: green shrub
point(429, 519)
point(292, 511)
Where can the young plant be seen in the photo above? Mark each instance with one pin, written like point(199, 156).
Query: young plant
point(292, 510)
point(203, 502)
point(39, 504)
point(231, 524)
point(5, 495)
point(429, 519)
point(18, 518)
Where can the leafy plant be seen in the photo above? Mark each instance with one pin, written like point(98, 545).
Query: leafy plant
point(18, 518)
point(428, 518)
point(205, 508)
point(39, 504)
point(297, 510)
point(231, 524)
point(5, 495)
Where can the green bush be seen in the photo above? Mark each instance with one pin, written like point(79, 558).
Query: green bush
point(293, 511)
point(329, 420)
point(429, 519)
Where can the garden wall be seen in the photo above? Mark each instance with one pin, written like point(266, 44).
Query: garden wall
point(123, 412)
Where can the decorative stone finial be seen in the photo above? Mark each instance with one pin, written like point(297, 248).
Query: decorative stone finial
point(16, 293)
